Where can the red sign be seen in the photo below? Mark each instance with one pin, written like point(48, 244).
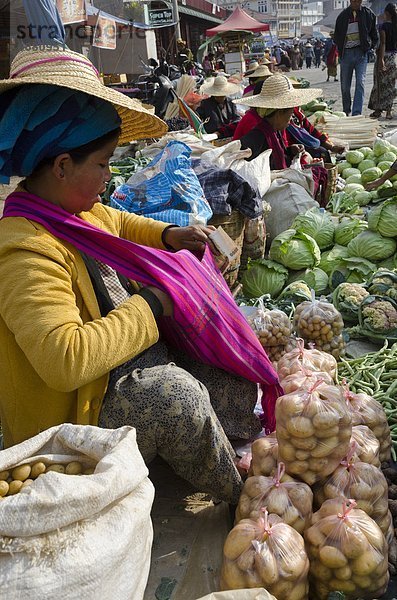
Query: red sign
point(105, 33)
point(71, 11)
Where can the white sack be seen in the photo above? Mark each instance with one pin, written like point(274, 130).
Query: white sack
point(253, 594)
point(78, 536)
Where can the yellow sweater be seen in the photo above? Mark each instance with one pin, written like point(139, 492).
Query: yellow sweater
point(56, 351)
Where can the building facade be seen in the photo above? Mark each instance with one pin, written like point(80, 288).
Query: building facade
point(312, 12)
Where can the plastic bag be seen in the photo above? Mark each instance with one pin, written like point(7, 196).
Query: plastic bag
point(272, 327)
point(276, 352)
point(256, 594)
point(311, 360)
point(264, 455)
point(367, 445)
point(318, 321)
point(266, 553)
point(283, 496)
point(313, 431)
point(347, 552)
point(367, 411)
point(167, 189)
point(304, 380)
point(366, 483)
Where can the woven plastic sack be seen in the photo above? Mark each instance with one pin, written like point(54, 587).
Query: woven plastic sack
point(167, 189)
point(347, 552)
point(69, 536)
point(266, 553)
point(257, 594)
point(313, 431)
point(310, 360)
point(264, 455)
point(282, 495)
point(365, 482)
point(367, 445)
point(367, 411)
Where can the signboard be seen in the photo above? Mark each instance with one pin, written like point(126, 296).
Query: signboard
point(105, 33)
point(71, 11)
point(161, 16)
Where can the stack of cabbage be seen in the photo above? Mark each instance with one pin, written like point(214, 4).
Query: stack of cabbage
point(365, 165)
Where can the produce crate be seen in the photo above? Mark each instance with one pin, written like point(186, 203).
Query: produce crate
point(234, 225)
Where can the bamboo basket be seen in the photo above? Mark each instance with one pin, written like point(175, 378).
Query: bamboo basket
point(233, 225)
point(332, 172)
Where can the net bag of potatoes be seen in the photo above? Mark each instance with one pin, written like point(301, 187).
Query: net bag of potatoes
point(313, 431)
point(319, 322)
point(264, 455)
point(305, 379)
point(282, 495)
point(276, 352)
point(86, 532)
point(311, 360)
point(367, 411)
point(266, 553)
point(272, 327)
point(365, 482)
point(347, 553)
point(367, 445)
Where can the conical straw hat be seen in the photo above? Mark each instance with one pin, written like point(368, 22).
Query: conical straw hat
point(219, 86)
point(278, 92)
point(261, 71)
point(71, 70)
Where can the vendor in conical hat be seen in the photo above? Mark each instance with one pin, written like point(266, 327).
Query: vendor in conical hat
point(259, 74)
point(79, 342)
point(218, 112)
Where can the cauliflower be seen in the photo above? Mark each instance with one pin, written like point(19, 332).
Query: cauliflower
point(384, 282)
point(380, 315)
point(347, 298)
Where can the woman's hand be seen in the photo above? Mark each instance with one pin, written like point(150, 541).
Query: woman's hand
point(296, 149)
point(192, 237)
point(373, 185)
point(382, 66)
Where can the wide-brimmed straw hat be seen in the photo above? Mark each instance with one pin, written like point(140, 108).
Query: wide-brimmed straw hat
point(278, 92)
point(220, 86)
point(71, 70)
point(261, 71)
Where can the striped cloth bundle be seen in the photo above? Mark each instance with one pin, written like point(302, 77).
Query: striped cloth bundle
point(206, 324)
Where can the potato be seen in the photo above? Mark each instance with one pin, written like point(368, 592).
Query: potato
point(326, 420)
point(14, 487)
point(4, 487)
point(332, 557)
point(21, 473)
point(277, 501)
point(299, 467)
point(283, 589)
point(300, 427)
point(299, 592)
point(231, 576)
point(4, 475)
point(366, 563)
point(302, 455)
point(318, 464)
point(343, 573)
point(303, 443)
point(342, 585)
point(246, 560)
point(37, 469)
point(266, 566)
point(325, 446)
point(286, 451)
point(56, 468)
point(327, 433)
point(321, 572)
point(362, 582)
point(353, 545)
point(27, 482)
point(238, 540)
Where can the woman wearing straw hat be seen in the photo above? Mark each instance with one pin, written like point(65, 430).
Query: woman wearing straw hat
point(218, 111)
point(78, 340)
point(259, 74)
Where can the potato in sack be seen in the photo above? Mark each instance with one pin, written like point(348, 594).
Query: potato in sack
point(266, 553)
point(367, 411)
point(304, 380)
point(347, 552)
point(272, 327)
point(264, 455)
point(311, 360)
point(367, 449)
point(365, 482)
point(289, 499)
point(313, 431)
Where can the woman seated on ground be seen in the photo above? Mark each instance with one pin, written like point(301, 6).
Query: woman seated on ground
point(79, 342)
point(218, 112)
point(256, 76)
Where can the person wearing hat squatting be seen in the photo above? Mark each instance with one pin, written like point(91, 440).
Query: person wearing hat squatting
point(79, 342)
point(274, 105)
point(218, 112)
point(258, 74)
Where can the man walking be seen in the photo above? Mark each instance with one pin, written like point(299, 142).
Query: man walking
point(355, 34)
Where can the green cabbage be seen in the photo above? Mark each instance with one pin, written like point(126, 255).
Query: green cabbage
point(383, 218)
point(331, 258)
point(343, 165)
point(363, 198)
point(366, 150)
point(389, 263)
point(384, 165)
point(380, 147)
point(370, 175)
point(353, 187)
point(372, 246)
point(315, 278)
point(347, 229)
point(388, 157)
point(366, 164)
point(317, 223)
point(295, 250)
point(351, 171)
point(353, 179)
point(351, 270)
point(263, 277)
point(354, 156)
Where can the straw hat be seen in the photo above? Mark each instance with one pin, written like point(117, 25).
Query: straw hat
point(278, 92)
point(219, 86)
point(261, 71)
point(253, 64)
point(71, 70)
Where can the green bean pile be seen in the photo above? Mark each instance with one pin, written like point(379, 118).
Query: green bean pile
point(375, 374)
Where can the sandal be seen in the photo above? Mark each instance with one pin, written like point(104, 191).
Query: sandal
point(376, 114)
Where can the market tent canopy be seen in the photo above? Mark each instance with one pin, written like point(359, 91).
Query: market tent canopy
point(239, 20)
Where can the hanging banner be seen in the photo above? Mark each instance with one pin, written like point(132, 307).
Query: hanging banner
point(71, 11)
point(105, 33)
